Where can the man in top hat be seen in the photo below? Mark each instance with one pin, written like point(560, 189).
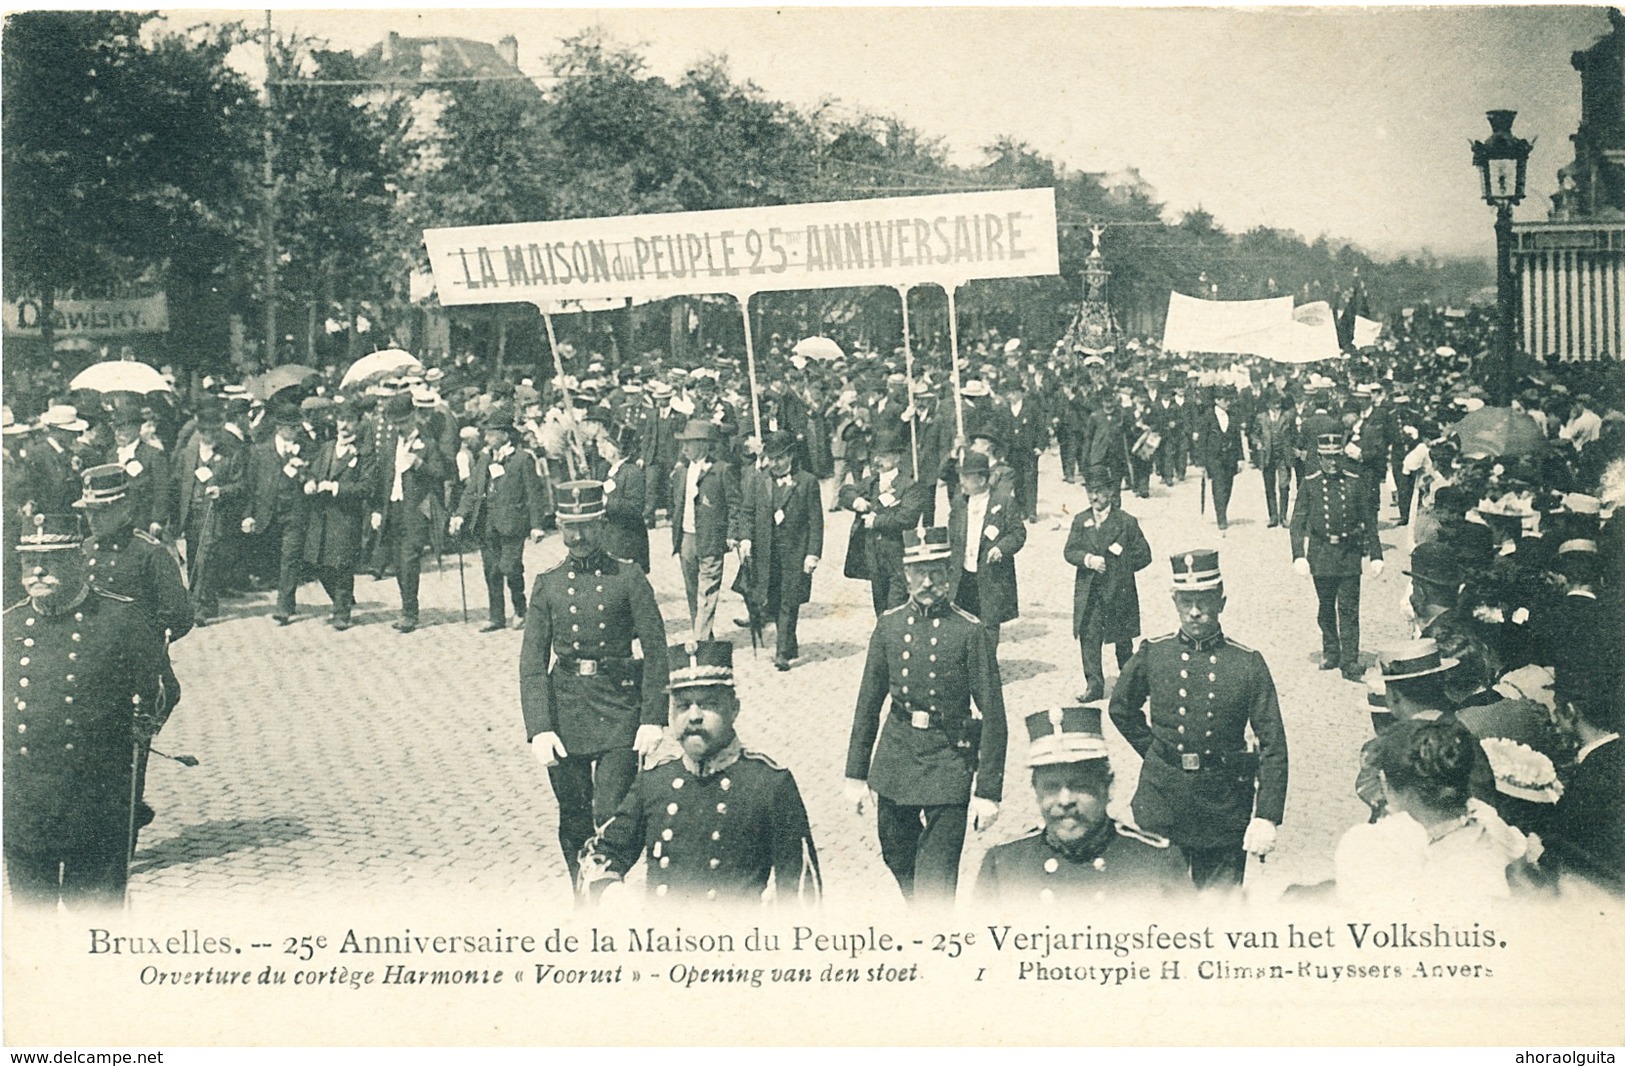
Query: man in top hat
point(502, 504)
point(626, 497)
point(1369, 441)
point(1580, 620)
point(1078, 854)
point(657, 447)
point(278, 509)
point(885, 503)
point(210, 480)
point(1108, 549)
point(1221, 451)
point(413, 467)
point(81, 675)
point(719, 823)
point(1200, 785)
point(781, 540)
point(343, 473)
point(591, 706)
point(1029, 436)
point(146, 465)
point(1333, 527)
point(931, 762)
point(705, 520)
point(1276, 446)
point(986, 530)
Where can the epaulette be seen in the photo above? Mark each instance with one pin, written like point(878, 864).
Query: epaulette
point(1036, 830)
point(894, 610)
point(558, 565)
point(13, 607)
point(766, 760)
point(1159, 640)
point(111, 595)
point(148, 537)
point(1142, 836)
point(1311, 477)
point(1237, 644)
point(1355, 474)
point(665, 757)
point(966, 615)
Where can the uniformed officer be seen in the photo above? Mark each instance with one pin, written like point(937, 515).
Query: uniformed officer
point(1078, 853)
point(719, 823)
point(1332, 527)
point(933, 662)
point(81, 674)
point(130, 562)
point(1199, 778)
point(591, 708)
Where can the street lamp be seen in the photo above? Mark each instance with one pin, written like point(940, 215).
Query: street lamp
point(1503, 164)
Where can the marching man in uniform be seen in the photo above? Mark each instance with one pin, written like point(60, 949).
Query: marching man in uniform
point(1078, 853)
point(719, 823)
point(81, 675)
point(935, 764)
point(1333, 525)
point(1198, 779)
point(591, 708)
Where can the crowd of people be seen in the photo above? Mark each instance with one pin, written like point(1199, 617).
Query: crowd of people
point(1494, 767)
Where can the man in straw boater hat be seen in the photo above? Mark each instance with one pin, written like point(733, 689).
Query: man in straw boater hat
point(1078, 853)
point(705, 521)
point(1333, 527)
point(503, 503)
point(591, 707)
point(930, 762)
point(1200, 784)
point(82, 672)
point(720, 823)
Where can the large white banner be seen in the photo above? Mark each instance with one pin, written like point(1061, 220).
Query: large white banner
point(900, 240)
point(88, 318)
point(1239, 327)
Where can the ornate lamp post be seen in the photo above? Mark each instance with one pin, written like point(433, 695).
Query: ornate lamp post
point(1503, 163)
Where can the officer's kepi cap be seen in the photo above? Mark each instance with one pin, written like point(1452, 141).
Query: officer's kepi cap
point(698, 664)
point(1196, 570)
point(926, 545)
point(1329, 443)
point(579, 501)
point(51, 532)
point(1064, 735)
point(103, 484)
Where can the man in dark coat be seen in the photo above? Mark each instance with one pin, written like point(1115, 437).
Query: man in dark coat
point(705, 521)
point(52, 461)
point(1332, 529)
point(781, 540)
point(278, 507)
point(1079, 855)
point(1106, 459)
point(210, 482)
point(147, 466)
point(591, 707)
point(1369, 441)
point(501, 506)
point(626, 502)
point(657, 448)
point(885, 503)
point(1029, 436)
point(929, 761)
point(1275, 433)
point(81, 674)
point(407, 506)
point(720, 824)
point(343, 475)
point(1221, 450)
point(986, 530)
point(1108, 549)
point(1586, 838)
point(1200, 785)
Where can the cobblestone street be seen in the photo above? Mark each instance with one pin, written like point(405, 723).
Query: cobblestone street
point(367, 764)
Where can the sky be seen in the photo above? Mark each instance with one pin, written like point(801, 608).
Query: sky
point(1354, 123)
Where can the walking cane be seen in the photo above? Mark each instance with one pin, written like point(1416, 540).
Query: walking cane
point(462, 582)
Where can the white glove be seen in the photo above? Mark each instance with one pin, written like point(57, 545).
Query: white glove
point(536, 536)
point(310, 488)
point(248, 525)
point(1300, 567)
point(648, 739)
point(868, 521)
point(856, 793)
point(860, 505)
point(377, 520)
point(1376, 568)
point(547, 748)
point(983, 813)
point(744, 549)
point(1097, 563)
point(809, 564)
point(331, 487)
point(1260, 838)
point(456, 525)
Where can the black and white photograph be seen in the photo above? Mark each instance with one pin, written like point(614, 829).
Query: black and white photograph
point(950, 510)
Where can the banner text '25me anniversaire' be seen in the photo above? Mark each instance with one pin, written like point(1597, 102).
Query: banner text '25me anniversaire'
point(900, 240)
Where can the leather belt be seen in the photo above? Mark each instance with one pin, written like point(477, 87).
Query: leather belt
point(1333, 538)
point(589, 667)
point(916, 719)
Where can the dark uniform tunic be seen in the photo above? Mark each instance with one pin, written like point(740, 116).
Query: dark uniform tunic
point(1334, 526)
point(931, 665)
point(577, 677)
point(132, 563)
point(74, 683)
point(1197, 782)
point(718, 832)
point(1117, 862)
